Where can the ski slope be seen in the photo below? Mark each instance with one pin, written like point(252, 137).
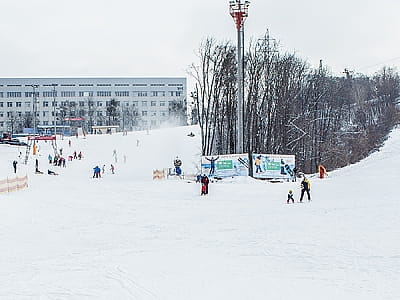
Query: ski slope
point(125, 236)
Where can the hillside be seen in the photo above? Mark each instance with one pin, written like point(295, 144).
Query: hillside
point(125, 236)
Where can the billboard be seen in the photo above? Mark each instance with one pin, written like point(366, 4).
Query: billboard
point(273, 166)
point(228, 165)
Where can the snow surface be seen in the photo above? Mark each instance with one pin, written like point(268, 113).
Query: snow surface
point(125, 236)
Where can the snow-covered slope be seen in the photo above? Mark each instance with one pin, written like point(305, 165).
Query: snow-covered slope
point(125, 236)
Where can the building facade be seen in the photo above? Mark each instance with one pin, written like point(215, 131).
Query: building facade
point(131, 103)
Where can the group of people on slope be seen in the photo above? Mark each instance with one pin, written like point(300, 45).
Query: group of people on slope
point(305, 188)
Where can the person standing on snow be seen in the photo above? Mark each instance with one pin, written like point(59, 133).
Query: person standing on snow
point(204, 184)
point(177, 165)
point(15, 166)
point(305, 187)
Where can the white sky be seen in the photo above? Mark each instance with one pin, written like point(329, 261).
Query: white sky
point(160, 38)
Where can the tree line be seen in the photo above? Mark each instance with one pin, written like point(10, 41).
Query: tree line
point(290, 107)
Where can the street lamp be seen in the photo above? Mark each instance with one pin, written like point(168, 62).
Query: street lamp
point(34, 86)
point(239, 13)
point(54, 109)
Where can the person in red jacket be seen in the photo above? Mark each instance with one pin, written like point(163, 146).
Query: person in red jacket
point(204, 184)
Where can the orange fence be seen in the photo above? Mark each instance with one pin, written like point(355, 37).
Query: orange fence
point(13, 184)
point(158, 174)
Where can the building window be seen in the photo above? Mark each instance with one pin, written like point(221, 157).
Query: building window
point(67, 94)
point(103, 94)
point(50, 94)
point(122, 94)
point(81, 103)
point(162, 103)
point(144, 103)
point(9, 104)
point(1, 114)
point(163, 113)
point(85, 94)
point(30, 94)
point(1, 94)
point(126, 104)
point(9, 114)
point(157, 84)
point(99, 113)
point(18, 104)
point(153, 103)
point(13, 94)
point(64, 103)
point(103, 84)
point(1, 104)
point(144, 113)
point(45, 104)
point(142, 94)
point(122, 84)
point(44, 113)
point(139, 84)
point(27, 104)
point(86, 84)
point(99, 103)
point(153, 113)
point(154, 94)
point(45, 122)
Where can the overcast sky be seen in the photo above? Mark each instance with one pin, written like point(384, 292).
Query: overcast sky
point(52, 38)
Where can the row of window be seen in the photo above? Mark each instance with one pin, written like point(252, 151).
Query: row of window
point(99, 84)
point(52, 94)
point(144, 123)
point(85, 103)
point(81, 113)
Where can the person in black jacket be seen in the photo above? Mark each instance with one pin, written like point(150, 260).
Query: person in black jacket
point(305, 187)
point(15, 166)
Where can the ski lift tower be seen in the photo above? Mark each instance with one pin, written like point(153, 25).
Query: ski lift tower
point(239, 13)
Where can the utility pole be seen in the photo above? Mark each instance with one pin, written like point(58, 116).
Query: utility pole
point(34, 86)
point(239, 13)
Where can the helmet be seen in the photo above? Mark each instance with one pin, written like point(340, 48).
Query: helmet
point(290, 191)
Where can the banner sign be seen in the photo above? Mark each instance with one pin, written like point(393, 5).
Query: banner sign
point(273, 166)
point(228, 165)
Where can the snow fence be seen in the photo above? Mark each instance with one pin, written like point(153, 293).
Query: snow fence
point(13, 184)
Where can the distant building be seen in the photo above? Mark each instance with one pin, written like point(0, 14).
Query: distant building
point(130, 103)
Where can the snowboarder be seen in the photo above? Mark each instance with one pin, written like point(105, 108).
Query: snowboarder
point(212, 164)
point(204, 184)
point(51, 172)
point(305, 187)
point(15, 166)
point(112, 168)
point(290, 196)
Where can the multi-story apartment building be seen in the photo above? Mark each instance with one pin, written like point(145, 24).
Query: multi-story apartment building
point(131, 103)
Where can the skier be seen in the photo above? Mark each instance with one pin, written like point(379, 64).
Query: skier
point(204, 184)
point(50, 159)
point(257, 162)
point(290, 196)
point(112, 168)
point(177, 165)
point(305, 187)
point(15, 166)
point(96, 172)
point(212, 164)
